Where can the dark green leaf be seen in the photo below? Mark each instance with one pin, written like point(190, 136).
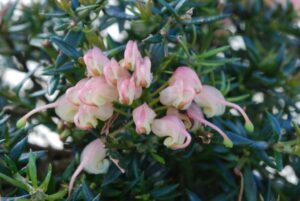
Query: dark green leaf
point(163, 191)
point(66, 48)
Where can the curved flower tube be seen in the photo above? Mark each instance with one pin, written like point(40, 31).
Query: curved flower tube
point(195, 113)
point(213, 103)
point(177, 95)
point(95, 61)
point(113, 72)
point(63, 108)
point(87, 116)
point(143, 117)
point(92, 161)
point(188, 76)
point(171, 127)
point(98, 92)
point(142, 72)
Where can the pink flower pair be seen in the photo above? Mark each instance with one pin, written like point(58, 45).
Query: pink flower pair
point(170, 127)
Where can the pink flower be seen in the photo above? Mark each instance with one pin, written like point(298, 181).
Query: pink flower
point(87, 116)
point(97, 92)
point(207, 100)
point(171, 127)
point(131, 55)
point(142, 72)
point(188, 76)
point(95, 61)
point(296, 4)
point(113, 71)
point(177, 95)
point(73, 92)
point(195, 113)
point(143, 117)
point(128, 91)
point(213, 103)
point(92, 161)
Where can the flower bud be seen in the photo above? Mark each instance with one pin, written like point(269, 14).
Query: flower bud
point(143, 117)
point(128, 91)
point(142, 72)
point(131, 55)
point(95, 61)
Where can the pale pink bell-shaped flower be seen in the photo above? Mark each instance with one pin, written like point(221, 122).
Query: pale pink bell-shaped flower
point(73, 92)
point(177, 95)
point(173, 129)
point(142, 72)
point(128, 91)
point(207, 100)
point(92, 161)
point(95, 61)
point(188, 76)
point(97, 92)
point(113, 72)
point(87, 116)
point(143, 117)
point(131, 55)
point(63, 108)
point(213, 103)
point(195, 113)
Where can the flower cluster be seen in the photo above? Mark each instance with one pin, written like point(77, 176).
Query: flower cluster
point(185, 98)
point(108, 81)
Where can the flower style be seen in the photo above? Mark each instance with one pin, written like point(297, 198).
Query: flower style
point(143, 117)
point(171, 127)
point(98, 92)
point(142, 72)
point(92, 161)
point(113, 72)
point(195, 113)
point(95, 61)
point(213, 103)
point(188, 76)
point(87, 116)
point(128, 91)
point(131, 55)
point(177, 95)
point(63, 108)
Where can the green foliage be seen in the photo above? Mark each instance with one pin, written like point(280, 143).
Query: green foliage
point(56, 34)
